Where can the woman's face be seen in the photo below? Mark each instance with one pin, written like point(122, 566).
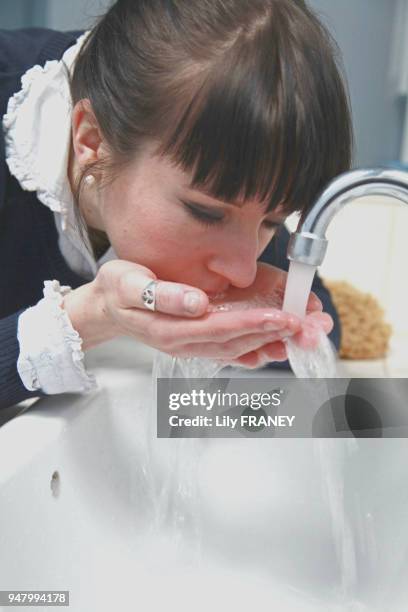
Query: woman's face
point(152, 217)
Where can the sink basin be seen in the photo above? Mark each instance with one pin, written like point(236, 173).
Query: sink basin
point(86, 494)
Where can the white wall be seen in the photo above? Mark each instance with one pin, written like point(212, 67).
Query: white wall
point(364, 32)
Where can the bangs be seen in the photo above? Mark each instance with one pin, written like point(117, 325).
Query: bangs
point(269, 119)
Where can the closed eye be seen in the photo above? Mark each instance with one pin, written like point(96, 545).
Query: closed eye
point(208, 217)
point(203, 214)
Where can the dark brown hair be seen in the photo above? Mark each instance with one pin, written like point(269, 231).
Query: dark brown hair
point(245, 94)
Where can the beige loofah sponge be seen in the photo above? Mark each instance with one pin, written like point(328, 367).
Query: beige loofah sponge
point(365, 334)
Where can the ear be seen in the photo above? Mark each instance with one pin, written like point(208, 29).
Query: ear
point(87, 140)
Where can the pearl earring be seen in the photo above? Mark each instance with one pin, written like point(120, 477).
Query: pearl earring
point(89, 179)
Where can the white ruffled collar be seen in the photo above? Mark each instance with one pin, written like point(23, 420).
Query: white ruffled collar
point(37, 133)
point(37, 129)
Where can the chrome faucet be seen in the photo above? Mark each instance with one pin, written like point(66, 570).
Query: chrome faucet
point(309, 244)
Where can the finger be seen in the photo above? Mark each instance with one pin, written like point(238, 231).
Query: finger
point(170, 298)
point(314, 303)
point(213, 327)
point(222, 327)
point(233, 349)
point(180, 300)
point(314, 325)
point(275, 351)
point(307, 339)
point(320, 320)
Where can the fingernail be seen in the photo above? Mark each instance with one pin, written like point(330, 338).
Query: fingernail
point(294, 322)
point(276, 315)
point(191, 302)
point(269, 326)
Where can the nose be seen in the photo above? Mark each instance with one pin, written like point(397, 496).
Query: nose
point(236, 262)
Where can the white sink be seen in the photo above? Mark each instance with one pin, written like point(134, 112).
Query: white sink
point(280, 524)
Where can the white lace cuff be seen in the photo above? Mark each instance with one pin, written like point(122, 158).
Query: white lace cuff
point(50, 356)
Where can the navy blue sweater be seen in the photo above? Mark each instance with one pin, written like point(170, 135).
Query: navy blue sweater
point(29, 251)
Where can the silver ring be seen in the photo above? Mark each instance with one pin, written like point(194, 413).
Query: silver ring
point(149, 295)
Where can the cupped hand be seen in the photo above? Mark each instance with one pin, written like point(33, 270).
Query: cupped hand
point(270, 282)
point(111, 305)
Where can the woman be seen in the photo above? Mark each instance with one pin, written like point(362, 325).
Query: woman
point(169, 143)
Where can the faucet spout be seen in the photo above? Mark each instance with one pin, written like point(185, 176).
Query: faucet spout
point(309, 244)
